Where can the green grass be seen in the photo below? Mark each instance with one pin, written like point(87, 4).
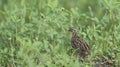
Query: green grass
point(34, 33)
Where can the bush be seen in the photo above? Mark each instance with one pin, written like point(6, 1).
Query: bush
point(34, 33)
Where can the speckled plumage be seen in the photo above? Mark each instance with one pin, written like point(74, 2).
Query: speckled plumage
point(82, 48)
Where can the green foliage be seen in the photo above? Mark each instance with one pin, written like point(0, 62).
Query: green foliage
point(34, 33)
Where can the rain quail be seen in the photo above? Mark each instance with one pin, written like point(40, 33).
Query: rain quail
point(81, 47)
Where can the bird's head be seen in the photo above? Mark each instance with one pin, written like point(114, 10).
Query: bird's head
point(72, 30)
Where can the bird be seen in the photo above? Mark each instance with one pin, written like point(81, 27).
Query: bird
point(81, 47)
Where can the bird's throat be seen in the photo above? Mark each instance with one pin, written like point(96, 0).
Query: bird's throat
point(74, 34)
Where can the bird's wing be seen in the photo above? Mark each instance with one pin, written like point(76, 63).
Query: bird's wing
point(82, 44)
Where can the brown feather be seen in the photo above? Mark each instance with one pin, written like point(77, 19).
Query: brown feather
point(82, 48)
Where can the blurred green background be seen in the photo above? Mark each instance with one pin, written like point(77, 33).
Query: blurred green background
point(34, 33)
